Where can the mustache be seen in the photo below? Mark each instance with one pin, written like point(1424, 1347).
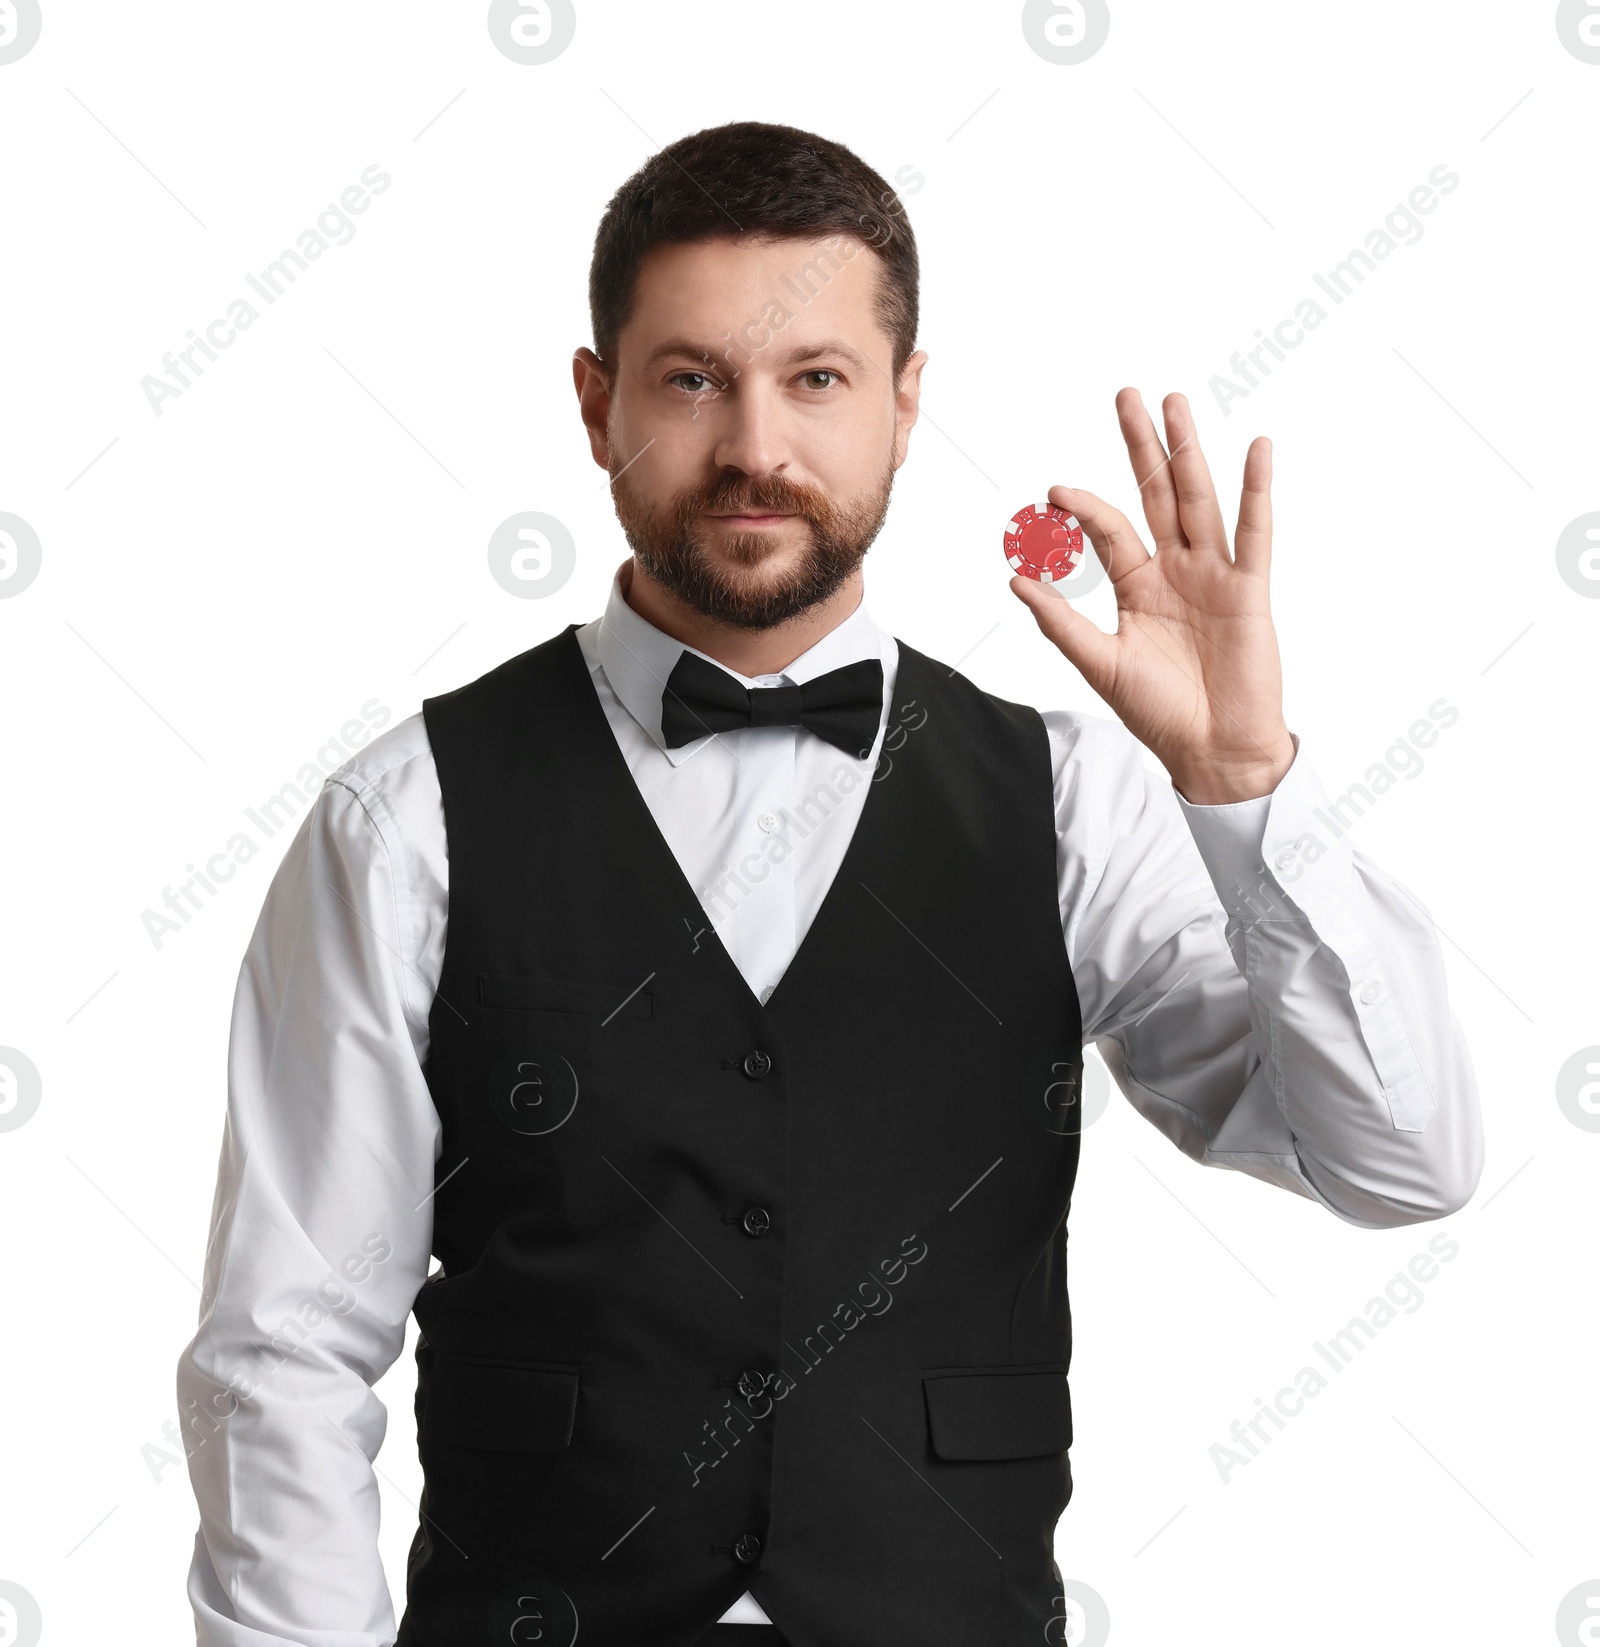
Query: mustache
point(753, 495)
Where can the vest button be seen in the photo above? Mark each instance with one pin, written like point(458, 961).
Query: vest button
point(751, 1384)
point(747, 1548)
point(757, 1064)
point(757, 1221)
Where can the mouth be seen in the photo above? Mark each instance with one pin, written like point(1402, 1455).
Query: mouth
point(751, 523)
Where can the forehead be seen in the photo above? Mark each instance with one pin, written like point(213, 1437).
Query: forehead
point(801, 290)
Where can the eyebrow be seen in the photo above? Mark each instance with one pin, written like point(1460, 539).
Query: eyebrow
point(688, 349)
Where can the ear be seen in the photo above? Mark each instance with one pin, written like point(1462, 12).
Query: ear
point(907, 399)
point(593, 383)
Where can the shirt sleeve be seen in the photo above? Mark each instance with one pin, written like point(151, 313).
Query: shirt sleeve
point(1263, 994)
point(320, 1234)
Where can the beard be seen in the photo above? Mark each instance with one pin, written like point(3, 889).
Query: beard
point(667, 540)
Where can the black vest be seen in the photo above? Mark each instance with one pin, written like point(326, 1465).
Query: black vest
point(739, 1295)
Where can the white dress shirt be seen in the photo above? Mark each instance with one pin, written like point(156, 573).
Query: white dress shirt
point(1267, 1009)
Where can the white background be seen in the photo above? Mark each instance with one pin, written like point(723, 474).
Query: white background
point(304, 530)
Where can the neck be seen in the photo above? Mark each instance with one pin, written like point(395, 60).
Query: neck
point(749, 652)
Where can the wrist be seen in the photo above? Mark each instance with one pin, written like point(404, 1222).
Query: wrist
point(1210, 782)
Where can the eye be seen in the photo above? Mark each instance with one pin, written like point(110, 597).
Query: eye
point(699, 386)
point(819, 371)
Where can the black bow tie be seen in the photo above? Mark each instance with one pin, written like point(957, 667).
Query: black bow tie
point(843, 706)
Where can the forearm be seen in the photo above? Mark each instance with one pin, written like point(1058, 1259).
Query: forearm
point(1348, 1006)
point(319, 1244)
point(1231, 1014)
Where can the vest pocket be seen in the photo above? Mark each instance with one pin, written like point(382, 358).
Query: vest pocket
point(576, 995)
point(505, 1406)
point(997, 1413)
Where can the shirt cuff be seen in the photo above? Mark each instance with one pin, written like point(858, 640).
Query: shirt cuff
point(1283, 857)
point(1276, 855)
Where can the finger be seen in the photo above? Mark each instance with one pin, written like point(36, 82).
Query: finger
point(1152, 469)
point(1252, 543)
point(1087, 648)
point(1197, 497)
point(1108, 529)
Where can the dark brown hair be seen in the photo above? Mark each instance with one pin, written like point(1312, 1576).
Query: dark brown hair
point(768, 182)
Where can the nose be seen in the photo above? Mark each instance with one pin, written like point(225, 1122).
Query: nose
point(750, 435)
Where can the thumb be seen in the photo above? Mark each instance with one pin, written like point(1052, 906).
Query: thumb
point(1087, 648)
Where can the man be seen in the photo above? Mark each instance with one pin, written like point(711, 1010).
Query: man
point(706, 989)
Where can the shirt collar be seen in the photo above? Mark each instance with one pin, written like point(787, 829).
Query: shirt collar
point(637, 659)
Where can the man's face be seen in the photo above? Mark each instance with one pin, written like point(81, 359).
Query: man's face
point(751, 428)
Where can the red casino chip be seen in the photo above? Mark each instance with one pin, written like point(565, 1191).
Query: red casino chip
point(1043, 542)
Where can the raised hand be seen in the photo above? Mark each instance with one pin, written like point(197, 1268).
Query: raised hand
point(1192, 670)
